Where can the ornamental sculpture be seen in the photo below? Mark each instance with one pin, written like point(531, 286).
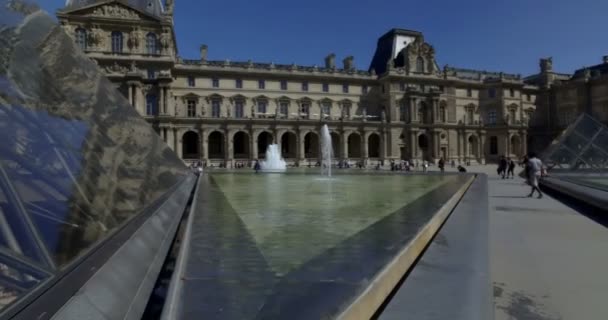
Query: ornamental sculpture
point(114, 11)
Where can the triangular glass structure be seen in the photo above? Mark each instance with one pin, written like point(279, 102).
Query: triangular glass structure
point(583, 145)
point(77, 162)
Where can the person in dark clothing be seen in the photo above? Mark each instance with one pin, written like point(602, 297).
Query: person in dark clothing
point(257, 167)
point(441, 165)
point(461, 169)
point(511, 171)
point(502, 166)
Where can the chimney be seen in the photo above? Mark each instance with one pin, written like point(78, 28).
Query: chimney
point(546, 65)
point(204, 53)
point(330, 61)
point(349, 63)
point(605, 59)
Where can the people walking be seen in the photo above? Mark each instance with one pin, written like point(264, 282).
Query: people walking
point(257, 167)
point(511, 171)
point(535, 166)
point(502, 166)
point(441, 165)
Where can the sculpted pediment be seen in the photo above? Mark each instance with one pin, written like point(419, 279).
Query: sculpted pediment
point(113, 10)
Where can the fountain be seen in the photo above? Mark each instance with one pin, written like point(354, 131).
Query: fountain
point(273, 162)
point(327, 151)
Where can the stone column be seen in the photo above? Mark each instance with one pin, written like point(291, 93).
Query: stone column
point(364, 148)
point(435, 110)
point(507, 145)
point(383, 145)
point(179, 143)
point(435, 144)
point(413, 110)
point(344, 142)
point(414, 145)
point(140, 104)
point(459, 146)
point(204, 146)
point(524, 143)
point(301, 154)
point(482, 148)
point(465, 146)
point(161, 101)
point(254, 145)
point(229, 149)
point(171, 138)
point(131, 91)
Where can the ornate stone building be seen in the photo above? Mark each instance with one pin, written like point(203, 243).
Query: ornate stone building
point(221, 112)
point(563, 97)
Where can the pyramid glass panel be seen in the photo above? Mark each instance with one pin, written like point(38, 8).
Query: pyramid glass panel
point(583, 145)
point(77, 163)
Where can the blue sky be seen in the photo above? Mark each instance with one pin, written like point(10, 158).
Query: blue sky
point(507, 36)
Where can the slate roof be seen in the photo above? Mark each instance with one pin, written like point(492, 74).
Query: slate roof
point(152, 7)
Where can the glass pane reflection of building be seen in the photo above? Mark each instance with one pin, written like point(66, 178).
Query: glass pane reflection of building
point(77, 163)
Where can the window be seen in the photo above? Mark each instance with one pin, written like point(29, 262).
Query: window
point(81, 38)
point(403, 111)
point(364, 89)
point(469, 92)
point(470, 115)
point(116, 42)
point(151, 74)
point(442, 114)
point(492, 117)
point(512, 115)
point(402, 87)
point(493, 145)
point(284, 108)
point(239, 109)
point(215, 82)
point(419, 64)
point(492, 92)
point(191, 81)
point(215, 108)
point(528, 97)
point(238, 84)
point(191, 108)
point(346, 110)
point(511, 93)
point(345, 88)
point(305, 86)
point(151, 44)
point(151, 105)
point(326, 109)
point(262, 107)
point(261, 84)
point(283, 85)
point(305, 109)
point(325, 87)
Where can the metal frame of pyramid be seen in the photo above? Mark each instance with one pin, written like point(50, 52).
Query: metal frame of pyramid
point(582, 146)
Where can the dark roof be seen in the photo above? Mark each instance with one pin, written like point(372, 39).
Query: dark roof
point(151, 7)
point(272, 66)
point(401, 32)
point(594, 71)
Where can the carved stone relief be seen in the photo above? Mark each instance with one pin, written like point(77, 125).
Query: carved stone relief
point(114, 11)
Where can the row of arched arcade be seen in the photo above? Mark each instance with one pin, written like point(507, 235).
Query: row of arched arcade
point(217, 145)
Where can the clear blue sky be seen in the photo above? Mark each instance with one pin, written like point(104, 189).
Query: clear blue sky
point(507, 36)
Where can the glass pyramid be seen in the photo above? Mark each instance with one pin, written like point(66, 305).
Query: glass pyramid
point(77, 162)
point(582, 146)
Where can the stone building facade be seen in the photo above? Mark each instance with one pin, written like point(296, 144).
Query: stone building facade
point(223, 112)
point(563, 97)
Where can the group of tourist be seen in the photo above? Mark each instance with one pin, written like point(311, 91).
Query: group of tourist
point(506, 168)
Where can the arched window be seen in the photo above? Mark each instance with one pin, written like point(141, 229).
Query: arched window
point(419, 64)
point(81, 38)
point(492, 117)
point(116, 42)
point(442, 113)
point(151, 44)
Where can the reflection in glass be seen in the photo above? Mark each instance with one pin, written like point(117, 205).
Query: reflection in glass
point(76, 162)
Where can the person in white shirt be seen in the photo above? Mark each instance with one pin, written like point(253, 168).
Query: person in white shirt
point(536, 166)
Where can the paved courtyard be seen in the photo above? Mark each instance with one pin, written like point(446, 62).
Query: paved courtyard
point(548, 261)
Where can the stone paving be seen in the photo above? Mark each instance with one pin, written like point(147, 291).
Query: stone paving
point(547, 260)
